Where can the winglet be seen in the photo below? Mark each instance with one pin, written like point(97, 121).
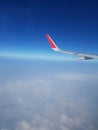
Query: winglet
point(52, 44)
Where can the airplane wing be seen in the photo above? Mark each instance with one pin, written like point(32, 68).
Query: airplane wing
point(81, 56)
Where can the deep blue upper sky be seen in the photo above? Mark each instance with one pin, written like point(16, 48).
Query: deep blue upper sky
point(73, 24)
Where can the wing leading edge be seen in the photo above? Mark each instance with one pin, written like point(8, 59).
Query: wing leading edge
point(81, 56)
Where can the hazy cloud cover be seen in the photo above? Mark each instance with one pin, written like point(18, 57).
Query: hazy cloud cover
point(41, 95)
point(77, 76)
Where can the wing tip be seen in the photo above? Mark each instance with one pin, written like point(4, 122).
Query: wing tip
point(47, 35)
point(51, 42)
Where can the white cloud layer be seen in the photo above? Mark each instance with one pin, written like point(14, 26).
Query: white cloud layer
point(77, 76)
point(36, 96)
point(50, 102)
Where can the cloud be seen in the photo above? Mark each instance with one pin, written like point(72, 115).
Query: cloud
point(3, 129)
point(24, 125)
point(64, 128)
point(76, 76)
point(42, 104)
point(71, 122)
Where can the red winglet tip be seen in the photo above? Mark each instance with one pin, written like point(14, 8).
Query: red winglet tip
point(50, 41)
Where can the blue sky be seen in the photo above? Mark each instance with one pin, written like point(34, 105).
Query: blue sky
point(72, 24)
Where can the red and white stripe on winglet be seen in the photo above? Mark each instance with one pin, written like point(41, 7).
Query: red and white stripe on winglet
point(52, 44)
